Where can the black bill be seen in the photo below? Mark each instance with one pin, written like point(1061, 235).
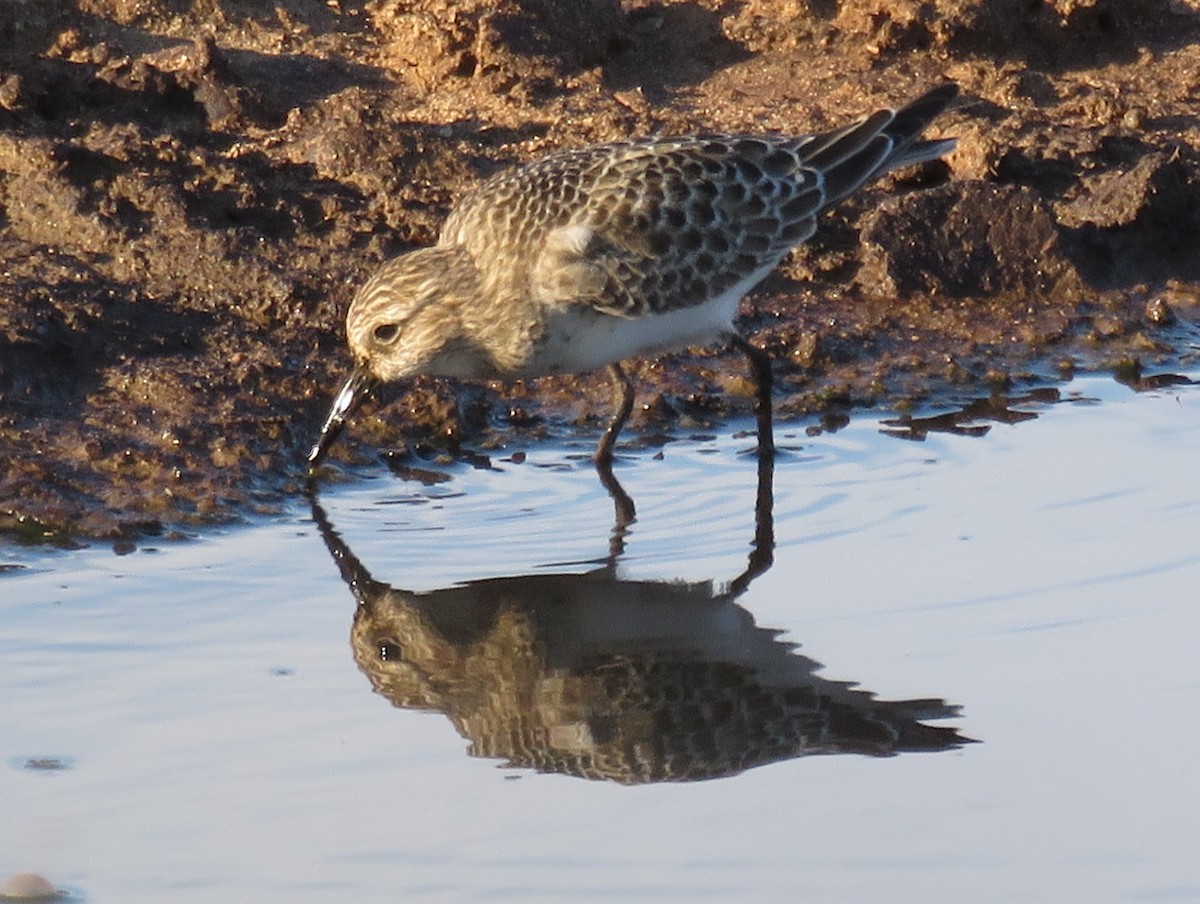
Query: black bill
point(353, 393)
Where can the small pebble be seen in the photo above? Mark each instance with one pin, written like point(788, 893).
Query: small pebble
point(46, 763)
point(28, 887)
point(1159, 312)
point(10, 93)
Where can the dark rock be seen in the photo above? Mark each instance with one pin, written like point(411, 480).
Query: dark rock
point(962, 240)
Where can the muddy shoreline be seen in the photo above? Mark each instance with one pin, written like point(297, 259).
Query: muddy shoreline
point(191, 191)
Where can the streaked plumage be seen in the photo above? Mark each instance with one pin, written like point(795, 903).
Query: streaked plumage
point(590, 256)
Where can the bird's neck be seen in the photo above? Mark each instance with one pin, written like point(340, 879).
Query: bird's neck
point(495, 312)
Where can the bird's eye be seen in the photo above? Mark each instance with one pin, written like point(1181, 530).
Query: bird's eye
point(386, 333)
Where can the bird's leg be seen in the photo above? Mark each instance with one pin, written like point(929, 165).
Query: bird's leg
point(623, 505)
point(760, 365)
point(621, 382)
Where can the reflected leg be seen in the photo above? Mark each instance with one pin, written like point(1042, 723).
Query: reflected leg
point(762, 555)
point(624, 512)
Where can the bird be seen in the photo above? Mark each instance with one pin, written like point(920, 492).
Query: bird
point(590, 256)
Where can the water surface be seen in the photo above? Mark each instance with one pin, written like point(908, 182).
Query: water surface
point(475, 690)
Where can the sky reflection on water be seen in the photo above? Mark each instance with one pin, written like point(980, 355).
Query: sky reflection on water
point(218, 740)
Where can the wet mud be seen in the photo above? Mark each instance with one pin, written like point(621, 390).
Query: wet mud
point(191, 190)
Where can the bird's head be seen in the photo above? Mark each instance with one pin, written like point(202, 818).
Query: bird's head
point(404, 321)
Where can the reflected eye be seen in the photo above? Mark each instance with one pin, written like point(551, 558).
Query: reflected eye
point(386, 333)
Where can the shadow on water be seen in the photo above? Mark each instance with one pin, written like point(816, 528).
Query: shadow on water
point(630, 681)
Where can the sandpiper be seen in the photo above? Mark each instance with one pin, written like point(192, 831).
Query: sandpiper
point(587, 257)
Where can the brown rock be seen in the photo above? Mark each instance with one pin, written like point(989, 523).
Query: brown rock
point(962, 240)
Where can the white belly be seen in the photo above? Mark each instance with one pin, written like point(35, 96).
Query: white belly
point(578, 340)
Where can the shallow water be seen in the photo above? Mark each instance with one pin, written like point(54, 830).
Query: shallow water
point(191, 722)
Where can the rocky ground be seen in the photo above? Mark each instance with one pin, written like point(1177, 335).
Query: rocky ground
point(190, 191)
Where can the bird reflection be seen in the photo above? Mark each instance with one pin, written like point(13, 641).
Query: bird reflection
point(630, 681)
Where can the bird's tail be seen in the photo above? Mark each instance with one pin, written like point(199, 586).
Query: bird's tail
point(885, 140)
point(911, 120)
